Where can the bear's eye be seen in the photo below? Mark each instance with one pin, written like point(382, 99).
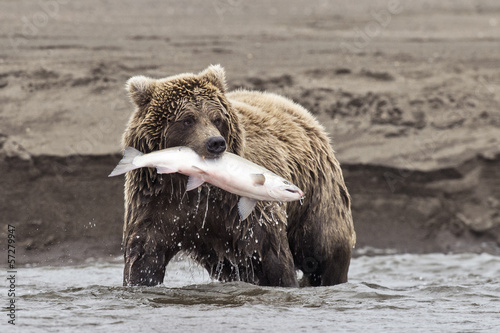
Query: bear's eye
point(188, 122)
point(218, 121)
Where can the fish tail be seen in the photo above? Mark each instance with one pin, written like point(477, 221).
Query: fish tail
point(127, 162)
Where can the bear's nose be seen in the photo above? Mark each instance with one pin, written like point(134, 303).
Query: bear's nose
point(216, 145)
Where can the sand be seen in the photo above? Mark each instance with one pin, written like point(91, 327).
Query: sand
point(409, 93)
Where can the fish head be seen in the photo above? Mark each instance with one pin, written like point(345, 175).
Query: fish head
point(283, 190)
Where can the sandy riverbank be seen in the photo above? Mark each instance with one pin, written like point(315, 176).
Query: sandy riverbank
point(409, 93)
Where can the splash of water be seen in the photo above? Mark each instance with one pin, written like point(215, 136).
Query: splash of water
point(181, 194)
point(218, 268)
point(206, 209)
point(234, 267)
point(172, 190)
point(197, 201)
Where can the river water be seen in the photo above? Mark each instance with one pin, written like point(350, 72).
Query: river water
point(388, 293)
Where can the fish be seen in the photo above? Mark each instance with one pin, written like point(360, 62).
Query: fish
point(229, 172)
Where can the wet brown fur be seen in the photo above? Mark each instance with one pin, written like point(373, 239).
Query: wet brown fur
point(162, 219)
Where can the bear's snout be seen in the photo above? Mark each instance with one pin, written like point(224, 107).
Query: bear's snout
point(216, 145)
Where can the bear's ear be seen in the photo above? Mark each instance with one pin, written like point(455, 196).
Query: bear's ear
point(140, 89)
point(216, 75)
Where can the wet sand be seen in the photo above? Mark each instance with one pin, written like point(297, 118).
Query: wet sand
point(409, 93)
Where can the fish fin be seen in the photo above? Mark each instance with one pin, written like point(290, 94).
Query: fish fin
point(245, 207)
point(203, 172)
point(194, 182)
point(258, 179)
point(127, 162)
point(163, 169)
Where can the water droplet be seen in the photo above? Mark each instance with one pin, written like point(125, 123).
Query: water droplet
point(206, 209)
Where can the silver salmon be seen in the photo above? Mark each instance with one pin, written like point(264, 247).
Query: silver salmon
point(229, 172)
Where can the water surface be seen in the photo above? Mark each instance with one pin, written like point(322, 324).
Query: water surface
point(390, 293)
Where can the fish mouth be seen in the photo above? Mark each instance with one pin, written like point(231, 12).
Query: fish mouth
point(299, 192)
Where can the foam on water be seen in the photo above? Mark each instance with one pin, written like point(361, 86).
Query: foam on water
point(410, 293)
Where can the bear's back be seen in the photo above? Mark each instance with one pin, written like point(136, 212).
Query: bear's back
point(286, 138)
point(270, 105)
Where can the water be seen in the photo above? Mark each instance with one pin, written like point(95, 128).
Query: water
point(391, 293)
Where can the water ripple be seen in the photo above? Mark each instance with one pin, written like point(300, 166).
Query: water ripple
point(410, 293)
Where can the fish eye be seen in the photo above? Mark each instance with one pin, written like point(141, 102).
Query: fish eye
point(286, 182)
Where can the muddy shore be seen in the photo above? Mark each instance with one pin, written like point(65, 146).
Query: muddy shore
point(408, 92)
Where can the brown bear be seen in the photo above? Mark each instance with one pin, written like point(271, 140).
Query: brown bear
point(315, 235)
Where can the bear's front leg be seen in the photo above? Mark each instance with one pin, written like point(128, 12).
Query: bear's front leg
point(145, 261)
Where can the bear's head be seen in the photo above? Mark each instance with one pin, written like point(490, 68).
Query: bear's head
point(183, 110)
